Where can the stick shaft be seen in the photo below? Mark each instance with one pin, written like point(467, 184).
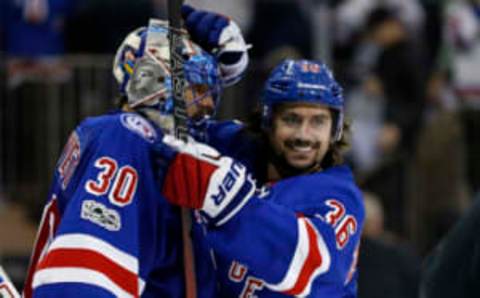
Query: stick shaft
point(181, 132)
point(176, 65)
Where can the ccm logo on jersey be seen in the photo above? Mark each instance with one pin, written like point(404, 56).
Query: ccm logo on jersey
point(345, 225)
point(139, 126)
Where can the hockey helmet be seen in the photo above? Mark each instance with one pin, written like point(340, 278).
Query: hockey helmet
point(142, 68)
point(303, 81)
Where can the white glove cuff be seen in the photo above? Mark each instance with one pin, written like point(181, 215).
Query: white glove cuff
point(232, 73)
point(231, 39)
point(230, 188)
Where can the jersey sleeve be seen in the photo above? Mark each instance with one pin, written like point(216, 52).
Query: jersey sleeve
point(230, 139)
point(222, 135)
point(94, 245)
point(297, 239)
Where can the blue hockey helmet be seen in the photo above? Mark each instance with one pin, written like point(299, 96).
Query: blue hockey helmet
point(142, 67)
point(303, 81)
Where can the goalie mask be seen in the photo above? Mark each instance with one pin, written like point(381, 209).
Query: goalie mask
point(303, 81)
point(142, 69)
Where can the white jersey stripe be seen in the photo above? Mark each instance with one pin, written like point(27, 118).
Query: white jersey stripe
point(76, 275)
point(302, 252)
point(326, 260)
point(84, 241)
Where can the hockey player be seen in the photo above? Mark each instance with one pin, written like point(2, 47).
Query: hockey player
point(300, 235)
point(106, 230)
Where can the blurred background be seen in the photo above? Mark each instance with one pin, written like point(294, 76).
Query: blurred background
point(411, 76)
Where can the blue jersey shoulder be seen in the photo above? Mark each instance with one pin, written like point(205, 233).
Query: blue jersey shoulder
point(233, 139)
point(222, 135)
point(120, 124)
point(333, 183)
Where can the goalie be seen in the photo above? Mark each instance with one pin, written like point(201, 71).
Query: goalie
point(106, 229)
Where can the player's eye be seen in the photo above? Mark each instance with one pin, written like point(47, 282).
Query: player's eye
point(318, 121)
point(291, 119)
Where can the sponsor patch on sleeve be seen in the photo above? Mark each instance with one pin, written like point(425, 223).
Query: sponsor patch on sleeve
point(139, 126)
point(101, 215)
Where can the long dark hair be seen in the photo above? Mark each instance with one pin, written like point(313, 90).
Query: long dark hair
point(258, 132)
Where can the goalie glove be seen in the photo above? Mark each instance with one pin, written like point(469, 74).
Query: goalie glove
point(220, 36)
point(199, 177)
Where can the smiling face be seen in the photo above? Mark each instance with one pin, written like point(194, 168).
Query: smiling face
point(301, 134)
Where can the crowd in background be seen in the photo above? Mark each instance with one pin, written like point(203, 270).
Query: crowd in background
point(410, 72)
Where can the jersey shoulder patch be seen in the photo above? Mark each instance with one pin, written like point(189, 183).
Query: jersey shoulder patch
point(69, 159)
point(139, 126)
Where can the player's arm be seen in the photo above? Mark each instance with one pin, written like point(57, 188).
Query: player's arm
point(92, 249)
point(220, 36)
point(288, 248)
point(291, 252)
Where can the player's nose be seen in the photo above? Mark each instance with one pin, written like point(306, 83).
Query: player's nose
point(304, 130)
point(207, 103)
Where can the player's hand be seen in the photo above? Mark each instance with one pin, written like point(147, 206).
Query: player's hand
point(211, 30)
point(199, 177)
point(221, 36)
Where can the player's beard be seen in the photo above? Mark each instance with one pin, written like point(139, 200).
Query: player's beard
point(285, 168)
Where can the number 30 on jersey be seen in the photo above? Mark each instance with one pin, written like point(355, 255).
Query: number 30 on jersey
point(119, 183)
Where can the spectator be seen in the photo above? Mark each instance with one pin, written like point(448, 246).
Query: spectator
point(462, 43)
point(452, 268)
point(365, 106)
point(35, 38)
point(279, 30)
point(399, 68)
point(440, 193)
point(35, 27)
point(104, 23)
point(351, 17)
point(278, 24)
point(2, 26)
point(389, 53)
point(241, 11)
point(386, 268)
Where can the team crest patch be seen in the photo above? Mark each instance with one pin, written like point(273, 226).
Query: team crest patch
point(139, 126)
point(101, 215)
point(69, 159)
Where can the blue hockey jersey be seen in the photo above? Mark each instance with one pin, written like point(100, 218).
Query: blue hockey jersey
point(299, 237)
point(106, 230)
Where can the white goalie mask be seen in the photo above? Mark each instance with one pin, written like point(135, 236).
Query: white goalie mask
point(142, 68)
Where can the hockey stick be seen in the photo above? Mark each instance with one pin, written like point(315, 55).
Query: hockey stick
point(181, 131)
point(7, 290)
point(176, 68)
